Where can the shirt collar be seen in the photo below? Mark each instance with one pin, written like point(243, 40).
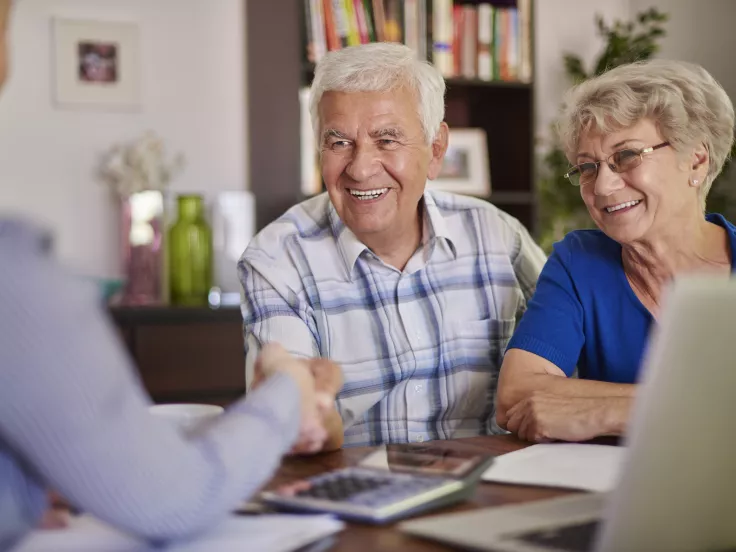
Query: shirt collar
point(349, 246)
point(435, 231)
point(436, 228)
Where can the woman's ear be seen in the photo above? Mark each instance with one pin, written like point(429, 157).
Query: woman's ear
point(700, 163)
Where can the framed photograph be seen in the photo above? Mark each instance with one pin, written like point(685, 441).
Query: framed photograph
point(311, 176)
point(96, 64)
point(465, 169)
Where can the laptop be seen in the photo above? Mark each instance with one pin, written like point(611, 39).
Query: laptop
point(677, 490)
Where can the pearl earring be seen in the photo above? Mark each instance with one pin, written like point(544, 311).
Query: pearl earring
point(695, 181)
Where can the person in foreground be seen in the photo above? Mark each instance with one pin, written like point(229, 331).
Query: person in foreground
point(414, 293)
point(74, 416)
point(646, 141)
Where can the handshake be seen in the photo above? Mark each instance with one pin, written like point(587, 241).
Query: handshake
point(319, 381)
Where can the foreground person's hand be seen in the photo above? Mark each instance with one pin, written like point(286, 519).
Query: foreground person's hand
point(274, 359)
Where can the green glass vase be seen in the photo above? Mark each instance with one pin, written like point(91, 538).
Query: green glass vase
point(190, 254)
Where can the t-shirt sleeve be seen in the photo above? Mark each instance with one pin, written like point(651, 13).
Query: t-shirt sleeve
point(552, 326)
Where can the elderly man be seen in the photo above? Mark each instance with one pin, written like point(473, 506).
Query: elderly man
point(413, 293)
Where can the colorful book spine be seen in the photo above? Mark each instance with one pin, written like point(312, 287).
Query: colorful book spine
point(411, 24)
point(379, 19)
point(485, 42)
point(342, 27)
point(352, 23)
point(316, 19)
point(442, 31)
point(525, 34)
point(472, 40)
point(469, 42)
point(333, 40)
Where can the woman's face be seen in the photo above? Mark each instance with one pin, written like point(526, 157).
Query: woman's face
point(653, 198)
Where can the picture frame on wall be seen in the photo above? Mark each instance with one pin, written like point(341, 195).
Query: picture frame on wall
point(311, 178)
point(465, 169)
point(96, 64)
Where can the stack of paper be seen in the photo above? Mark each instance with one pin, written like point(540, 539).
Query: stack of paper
point(573, 466)
point(267, 533)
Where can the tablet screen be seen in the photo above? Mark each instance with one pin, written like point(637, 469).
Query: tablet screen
point(424, 459)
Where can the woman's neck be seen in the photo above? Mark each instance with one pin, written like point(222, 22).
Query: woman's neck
point(697, 246)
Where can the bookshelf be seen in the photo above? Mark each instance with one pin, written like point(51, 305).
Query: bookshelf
point(277, 68)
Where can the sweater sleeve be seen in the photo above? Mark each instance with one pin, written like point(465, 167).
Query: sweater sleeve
point(74, 411)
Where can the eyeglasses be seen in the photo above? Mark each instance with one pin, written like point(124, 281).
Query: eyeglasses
point(619, 162)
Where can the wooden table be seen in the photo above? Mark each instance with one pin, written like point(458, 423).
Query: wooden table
point(358, 538)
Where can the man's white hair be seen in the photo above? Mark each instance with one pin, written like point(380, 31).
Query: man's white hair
point(381, 67)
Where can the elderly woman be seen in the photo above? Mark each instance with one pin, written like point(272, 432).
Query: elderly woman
point(646, 141)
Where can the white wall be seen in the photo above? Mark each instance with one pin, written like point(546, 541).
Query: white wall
point(699, 31)
point(561, 27)
point(193, 96)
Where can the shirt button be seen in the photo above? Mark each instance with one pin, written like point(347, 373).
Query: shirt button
point(419, 438)
point(418, 387)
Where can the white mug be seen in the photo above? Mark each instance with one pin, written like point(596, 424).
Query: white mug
point(186, 416)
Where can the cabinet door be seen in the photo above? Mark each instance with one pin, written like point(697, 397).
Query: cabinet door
point(191, 362)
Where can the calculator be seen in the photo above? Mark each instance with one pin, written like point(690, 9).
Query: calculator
point(393, 482)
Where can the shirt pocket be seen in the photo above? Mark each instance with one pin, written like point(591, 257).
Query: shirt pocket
point(479, 340)
point(472, 360)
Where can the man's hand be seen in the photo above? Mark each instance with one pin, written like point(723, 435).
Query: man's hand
point(545, 417)
point(327, 382)
point(274, 359)
point(319, 381)
point(54, 518)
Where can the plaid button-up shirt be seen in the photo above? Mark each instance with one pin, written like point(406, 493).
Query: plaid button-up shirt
point(421, 348)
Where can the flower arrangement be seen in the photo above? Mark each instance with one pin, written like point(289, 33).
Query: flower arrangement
point(139, 166)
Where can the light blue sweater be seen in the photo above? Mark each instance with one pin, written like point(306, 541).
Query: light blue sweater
point(74, 416)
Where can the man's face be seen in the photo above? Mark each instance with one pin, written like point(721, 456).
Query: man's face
point(375, 159)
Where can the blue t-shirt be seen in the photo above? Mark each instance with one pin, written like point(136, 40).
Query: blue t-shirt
point(584, 312)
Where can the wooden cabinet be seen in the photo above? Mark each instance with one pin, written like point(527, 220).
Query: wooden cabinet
point(186, 354)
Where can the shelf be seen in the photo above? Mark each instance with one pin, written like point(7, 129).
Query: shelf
point(511, 198)
point(308, 74)
point(458, 81)
point(166, 314)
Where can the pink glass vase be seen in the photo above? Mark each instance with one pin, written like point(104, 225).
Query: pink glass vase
point(142, 220)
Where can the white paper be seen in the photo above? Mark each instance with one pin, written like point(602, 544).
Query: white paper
point(266, 533)
point(573, 466)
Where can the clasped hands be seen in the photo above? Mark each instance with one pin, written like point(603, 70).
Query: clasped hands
point(318, 380)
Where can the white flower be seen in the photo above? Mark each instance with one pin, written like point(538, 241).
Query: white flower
point(139, 166)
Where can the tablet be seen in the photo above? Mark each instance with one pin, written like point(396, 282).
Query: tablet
point(424, 460)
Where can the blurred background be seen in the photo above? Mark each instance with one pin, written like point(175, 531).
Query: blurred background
point(154, 137)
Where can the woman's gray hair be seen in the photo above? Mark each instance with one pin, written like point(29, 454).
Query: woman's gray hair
point(686, 103)
point(381, 67)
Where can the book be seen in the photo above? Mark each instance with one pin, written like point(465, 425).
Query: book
point(485, 42)
point(442, 31)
